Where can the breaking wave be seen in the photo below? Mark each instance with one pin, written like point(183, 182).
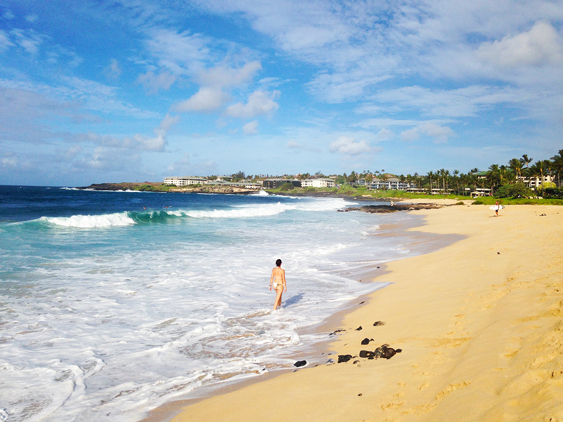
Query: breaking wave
point(91, 221)
point(242, 211)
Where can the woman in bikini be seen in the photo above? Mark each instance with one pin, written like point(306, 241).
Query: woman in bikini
point(277, 280)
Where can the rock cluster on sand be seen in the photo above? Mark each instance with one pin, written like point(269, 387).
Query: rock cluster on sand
point(383, 209)
point(383, 351)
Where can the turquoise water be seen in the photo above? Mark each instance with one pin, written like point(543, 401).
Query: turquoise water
point(112, 303)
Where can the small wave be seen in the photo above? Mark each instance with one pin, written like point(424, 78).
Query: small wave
point(240, 212)
point(261, 192)
point(91, 221)
point(67, 188)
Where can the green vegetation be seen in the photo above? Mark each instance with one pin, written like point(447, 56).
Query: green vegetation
point(517, 190)
point(286, 186)
point(153, 187)
point(553, 193)
point(506, 181)
point(348, 190)
point(490, 200)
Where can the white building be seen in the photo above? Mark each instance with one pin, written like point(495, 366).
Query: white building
point(392, 183)
point(184, 181)
point(317, 183)
point(535, 182)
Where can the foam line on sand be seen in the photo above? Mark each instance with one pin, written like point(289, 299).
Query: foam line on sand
point(480, 323)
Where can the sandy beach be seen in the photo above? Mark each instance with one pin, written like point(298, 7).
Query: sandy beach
point(480, 325)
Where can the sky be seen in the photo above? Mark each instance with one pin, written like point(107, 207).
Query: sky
point(138, 90)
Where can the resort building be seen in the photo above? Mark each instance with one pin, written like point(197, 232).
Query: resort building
point(184, 181)
point(276, 183)
point(317, 183)
point(392, 183)
point(535, 182)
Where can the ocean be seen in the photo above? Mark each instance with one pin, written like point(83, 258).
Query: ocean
point(113, 303)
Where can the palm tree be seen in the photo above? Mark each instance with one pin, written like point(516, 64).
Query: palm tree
point(494, 177)
point(442, 174)
point(516, 165)
point(557, 164)
point(456, 180)
point(539, 169)
point(430, 175)
point(527, 161)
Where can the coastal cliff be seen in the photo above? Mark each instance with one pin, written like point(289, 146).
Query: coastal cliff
point(161, 187)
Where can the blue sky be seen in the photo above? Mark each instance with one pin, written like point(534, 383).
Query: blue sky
point(111, 91)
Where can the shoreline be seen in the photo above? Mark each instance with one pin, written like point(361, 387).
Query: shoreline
point(479, 323)
point(312, 352)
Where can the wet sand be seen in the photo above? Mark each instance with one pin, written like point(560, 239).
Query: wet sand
point(480, 323)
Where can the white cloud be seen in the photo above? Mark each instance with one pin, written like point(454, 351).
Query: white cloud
point(180, 53)
point(384, 134)
point(9, 160)
point(70, 153)
point(387, 122)
point(537, 47)
point(28, 40)
point(439, 133)
point(105, 159)
point(467, 101)
point(113, 70)
point(5, 42)
point(250, 128)
point(31, 18)
point(93, 95)
point(206, 100)
point(349, 146)
point(344, 86)
point(136, 142)
point(259, 103)
point(358, 44)
point(8, 15)
point(224, 76)
point(180, 167)
point(211, 96)
point(158, 143)
point(154, 83)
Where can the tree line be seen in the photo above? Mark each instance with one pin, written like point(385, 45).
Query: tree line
point(511, 174)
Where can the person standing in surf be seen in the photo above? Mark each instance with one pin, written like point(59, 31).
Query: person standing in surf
point(277, 281)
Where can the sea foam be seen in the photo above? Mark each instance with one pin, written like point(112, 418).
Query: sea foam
point(91, 221)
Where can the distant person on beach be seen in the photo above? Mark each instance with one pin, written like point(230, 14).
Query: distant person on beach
point(497, 206)
point(277, 280)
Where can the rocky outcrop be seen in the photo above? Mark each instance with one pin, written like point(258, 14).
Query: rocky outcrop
point(216, 189)
point(383, 209)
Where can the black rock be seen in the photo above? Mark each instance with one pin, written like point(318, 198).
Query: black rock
point(355, 362)
point(300, 363)
point(359, 328)
point(344, 358)
point(365, 341)
point(377, 323)
point(366, 354)
point(386, 352)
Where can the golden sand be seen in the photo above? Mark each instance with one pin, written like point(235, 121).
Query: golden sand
point(480, 324)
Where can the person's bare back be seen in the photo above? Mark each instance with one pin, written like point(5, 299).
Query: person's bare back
point(277, 281)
